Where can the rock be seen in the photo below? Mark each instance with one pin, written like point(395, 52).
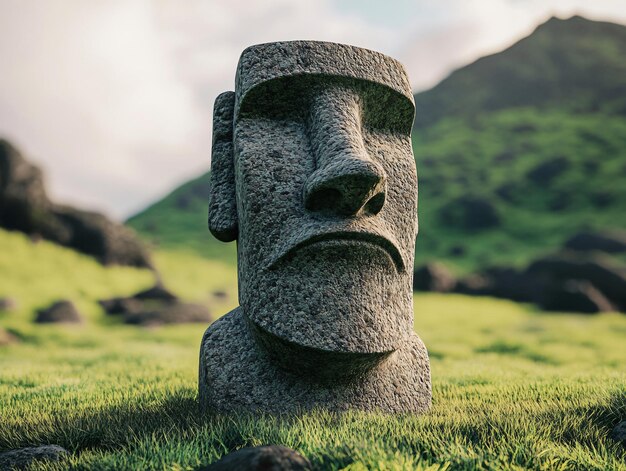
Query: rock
point(219, 294)
point(7, 304)
point(262, 458)
point(502, 282)
point(25, 207)
point(156, 293)
point(607, 279)
point(457, 251)
point(23, 458)
point(117, 306)
point(60, 312)
point(155, 306)
point(433, 277)
point(546, 172)
point(469, 213)
point(170, 313)
point(619, 432)
point(597, 241)
point(574, 296)
point(513, 284)
point(474, 285)
point(325, 219)
point(93, 234)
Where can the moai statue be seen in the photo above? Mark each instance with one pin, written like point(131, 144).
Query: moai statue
point(313, 175)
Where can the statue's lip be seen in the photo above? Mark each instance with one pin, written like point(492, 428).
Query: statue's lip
point(367, 238)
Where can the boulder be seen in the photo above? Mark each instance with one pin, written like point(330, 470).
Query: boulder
point(220, 295)
point(546, 172)
point(155, 306)
point(470, 213)
point(170, 313)
point(457, 250)
point(117, 306)
point(23, 458)
point(262, 458)
point(59, 312)
point(474, 285)
point(606, 278)
point(574, 296)
point(513, 284)
point(433, 277)
point(502, 282)
point(25, 207)
point(157, 293)
point(597, 241)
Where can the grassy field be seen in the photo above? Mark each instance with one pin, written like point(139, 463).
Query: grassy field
point(512, 388)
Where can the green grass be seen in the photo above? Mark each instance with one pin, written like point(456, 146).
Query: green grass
point(37, 274)
point(512, 388)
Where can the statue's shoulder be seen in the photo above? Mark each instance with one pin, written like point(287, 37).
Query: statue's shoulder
point(227, 325)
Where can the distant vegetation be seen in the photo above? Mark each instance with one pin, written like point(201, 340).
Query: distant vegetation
point(515, 153)
point(507, 186)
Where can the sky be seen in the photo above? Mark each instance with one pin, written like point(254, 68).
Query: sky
point(114, 98)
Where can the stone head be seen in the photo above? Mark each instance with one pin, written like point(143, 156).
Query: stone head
point(313, 175)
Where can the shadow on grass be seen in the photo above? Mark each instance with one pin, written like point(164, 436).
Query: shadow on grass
point(111, 427)
point(178, 418)
point(128, 426)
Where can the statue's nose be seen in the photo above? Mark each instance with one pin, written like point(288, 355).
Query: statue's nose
point(347, 181)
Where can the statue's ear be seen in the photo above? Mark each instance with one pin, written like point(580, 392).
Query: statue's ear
point(222, 197)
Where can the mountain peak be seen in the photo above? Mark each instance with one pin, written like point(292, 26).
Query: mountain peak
point(574, 63)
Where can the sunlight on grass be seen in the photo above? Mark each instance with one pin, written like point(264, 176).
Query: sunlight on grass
point(513, 388)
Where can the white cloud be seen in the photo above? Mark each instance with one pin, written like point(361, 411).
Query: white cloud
point(114, 97)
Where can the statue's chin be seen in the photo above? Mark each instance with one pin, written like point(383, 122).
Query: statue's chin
point(318, 364)
point(333, 298)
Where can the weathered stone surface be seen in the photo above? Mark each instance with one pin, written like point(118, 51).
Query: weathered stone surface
point(59, 312)
point(24, 457)
point(433, 277)
point(262, 458)
point(237, 373)
point(25, 207)
point(313, 174)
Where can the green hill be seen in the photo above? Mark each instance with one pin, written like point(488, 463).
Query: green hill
point(180, 221)
point(576, 65)
point(515, 152)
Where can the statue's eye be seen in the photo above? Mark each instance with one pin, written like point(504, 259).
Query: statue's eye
point(280, 99)
point(387, 111)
